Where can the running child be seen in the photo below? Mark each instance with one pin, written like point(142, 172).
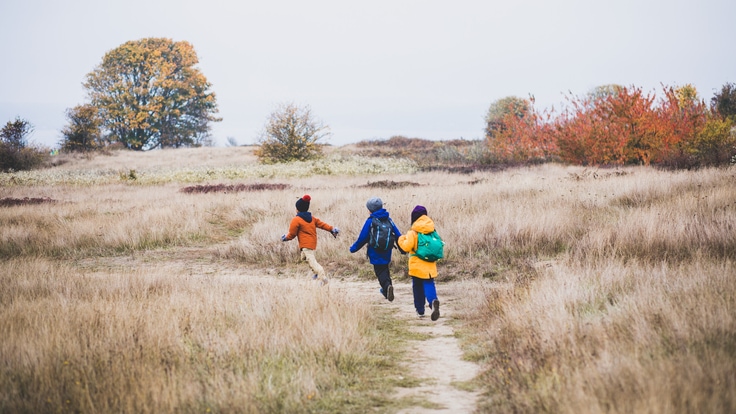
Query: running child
point(304, 227)
point(380, 234)
point(422, 272)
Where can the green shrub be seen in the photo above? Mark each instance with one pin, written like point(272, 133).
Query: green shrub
point(715, 144)
point(15, 153)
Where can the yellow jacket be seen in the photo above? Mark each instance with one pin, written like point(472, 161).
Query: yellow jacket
point(408, 243)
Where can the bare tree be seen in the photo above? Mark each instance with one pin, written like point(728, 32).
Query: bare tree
point(291, 134)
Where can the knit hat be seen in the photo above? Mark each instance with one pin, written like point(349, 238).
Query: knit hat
point(374, 204)
point(302, 204)
point(418, 211)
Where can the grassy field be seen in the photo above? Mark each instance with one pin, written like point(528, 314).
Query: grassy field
point(127, 286)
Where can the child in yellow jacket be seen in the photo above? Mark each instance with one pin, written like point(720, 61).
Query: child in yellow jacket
point(422, 272)
point(304, 227)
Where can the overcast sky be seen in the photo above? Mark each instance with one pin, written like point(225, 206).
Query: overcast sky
point(369, 70)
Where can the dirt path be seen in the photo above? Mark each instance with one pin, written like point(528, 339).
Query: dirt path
point(437, 360)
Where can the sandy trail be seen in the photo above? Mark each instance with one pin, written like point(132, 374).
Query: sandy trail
point(437, 360)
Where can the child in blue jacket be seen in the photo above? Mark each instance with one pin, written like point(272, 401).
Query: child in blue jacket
point(379, 258)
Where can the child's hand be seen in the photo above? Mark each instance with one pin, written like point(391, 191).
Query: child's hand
point(335, 232)
point(283, 237)
point(396, 246)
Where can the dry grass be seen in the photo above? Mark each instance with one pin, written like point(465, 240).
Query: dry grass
point(610, 337)
point(196, 165)
point(158, 338)
point(598, 291)
point(159, 159)
point(637, 312)
point(457, 155)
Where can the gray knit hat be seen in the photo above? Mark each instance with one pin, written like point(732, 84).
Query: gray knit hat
point(374, 204)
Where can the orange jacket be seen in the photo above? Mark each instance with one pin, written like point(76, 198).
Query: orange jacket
point(408, 243)
point(306, 232)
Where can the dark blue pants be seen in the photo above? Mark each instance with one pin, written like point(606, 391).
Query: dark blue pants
point(384, 276)
point(424, 293)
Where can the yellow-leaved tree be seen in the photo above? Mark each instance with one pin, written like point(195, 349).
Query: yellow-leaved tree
point(150, 95)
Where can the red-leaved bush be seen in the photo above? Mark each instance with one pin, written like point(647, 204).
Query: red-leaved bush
point(627, 126)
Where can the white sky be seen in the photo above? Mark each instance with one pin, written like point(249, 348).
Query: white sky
point(427, 69)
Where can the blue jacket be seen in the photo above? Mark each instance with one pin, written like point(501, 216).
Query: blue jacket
point(375, 256)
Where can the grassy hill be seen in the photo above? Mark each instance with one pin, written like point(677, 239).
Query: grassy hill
point(157, 281)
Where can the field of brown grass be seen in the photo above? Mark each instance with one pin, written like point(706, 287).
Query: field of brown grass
point(589, 290)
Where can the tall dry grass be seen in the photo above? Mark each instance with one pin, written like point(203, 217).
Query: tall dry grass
point(598, 290)
point(636, 312)
point(161, 338)
point(610, 336)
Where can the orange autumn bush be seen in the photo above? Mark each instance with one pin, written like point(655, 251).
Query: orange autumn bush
point(624, 126)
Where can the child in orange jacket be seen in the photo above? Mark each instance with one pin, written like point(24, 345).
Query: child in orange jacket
point(304, 227)
point(422, 272)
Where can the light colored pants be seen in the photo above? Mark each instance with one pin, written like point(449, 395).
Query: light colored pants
point(308, 255)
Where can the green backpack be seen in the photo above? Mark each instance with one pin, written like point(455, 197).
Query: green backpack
point(430, 247)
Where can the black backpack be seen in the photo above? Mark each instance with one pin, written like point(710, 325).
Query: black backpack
point(381, 235)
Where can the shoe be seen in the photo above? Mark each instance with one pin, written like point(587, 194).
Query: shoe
point(390, 293)
point(435, 310)
point(420, 315)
